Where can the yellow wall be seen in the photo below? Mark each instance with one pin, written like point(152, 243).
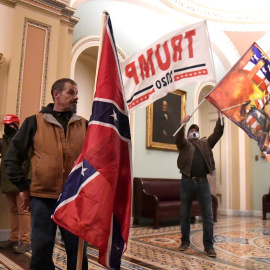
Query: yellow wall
point(29, 23)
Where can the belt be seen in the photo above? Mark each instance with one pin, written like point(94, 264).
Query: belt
point(195, 179)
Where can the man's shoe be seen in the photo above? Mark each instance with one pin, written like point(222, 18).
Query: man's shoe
point(210, 252)
point(8, 244)
point(22, 248)
point(184, 246)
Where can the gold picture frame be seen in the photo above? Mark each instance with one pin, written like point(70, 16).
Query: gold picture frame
point(159, 130)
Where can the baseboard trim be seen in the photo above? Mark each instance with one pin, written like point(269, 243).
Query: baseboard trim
point(240, 213)
point(4, 234)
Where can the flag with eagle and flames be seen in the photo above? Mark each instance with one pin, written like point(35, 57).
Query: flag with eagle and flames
point(243, 96)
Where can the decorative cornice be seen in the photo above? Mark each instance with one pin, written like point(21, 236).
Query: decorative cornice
point(9, 3)
point(53, 8)
point(208, 13)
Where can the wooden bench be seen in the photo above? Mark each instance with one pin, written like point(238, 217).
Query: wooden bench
point(159, 199)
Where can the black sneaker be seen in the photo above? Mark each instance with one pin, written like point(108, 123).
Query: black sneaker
point(8, 244)
point(22, 248)
point(184, 246)
point(210, 252)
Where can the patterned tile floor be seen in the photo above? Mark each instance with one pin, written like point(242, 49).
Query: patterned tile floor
point(240, 243)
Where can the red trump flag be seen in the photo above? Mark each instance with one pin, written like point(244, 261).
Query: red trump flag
point(96, 200)
point(243, 96)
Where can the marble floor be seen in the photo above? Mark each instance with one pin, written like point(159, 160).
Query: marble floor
point(240, 243)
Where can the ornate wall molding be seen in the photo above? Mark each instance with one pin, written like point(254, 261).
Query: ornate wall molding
point(47, 29)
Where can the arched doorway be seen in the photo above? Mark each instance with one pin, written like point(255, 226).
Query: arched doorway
point(83, 71)
point(206, 117)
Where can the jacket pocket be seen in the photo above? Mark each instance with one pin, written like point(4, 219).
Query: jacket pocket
point(46, 176)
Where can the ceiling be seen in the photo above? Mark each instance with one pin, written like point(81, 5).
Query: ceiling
point(242, 11)
point(242, 21)
point(229, 11)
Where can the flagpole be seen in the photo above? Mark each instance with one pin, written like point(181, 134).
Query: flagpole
point(103, 21)
point(193, 112)
point(104, 18)
point(237, 105)
point(80, 254)
point(190, 115)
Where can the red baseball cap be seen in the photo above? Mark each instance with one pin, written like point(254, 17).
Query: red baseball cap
point(10, 118)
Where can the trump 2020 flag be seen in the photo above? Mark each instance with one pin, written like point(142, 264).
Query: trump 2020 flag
point(175, 60)
point(243, 96)
point(96, 200)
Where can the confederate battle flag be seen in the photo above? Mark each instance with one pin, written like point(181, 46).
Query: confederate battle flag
point(96, 200)
point(243, 96)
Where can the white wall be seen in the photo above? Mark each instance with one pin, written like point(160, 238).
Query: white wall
point(85, 79)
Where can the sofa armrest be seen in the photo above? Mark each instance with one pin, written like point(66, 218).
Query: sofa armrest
point(266, 198)
point(265, 205)
point(149, 199)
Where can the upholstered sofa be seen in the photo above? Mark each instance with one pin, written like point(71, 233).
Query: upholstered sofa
point(159, 199)
point(266, 204)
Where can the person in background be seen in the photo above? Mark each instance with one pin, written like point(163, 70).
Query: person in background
point(19, 238)
point(195, 161)
point(55, 138)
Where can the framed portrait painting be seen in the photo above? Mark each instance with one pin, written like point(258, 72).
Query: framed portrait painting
point(163, 119)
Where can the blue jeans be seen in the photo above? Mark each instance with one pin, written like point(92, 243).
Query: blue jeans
point(43, 231)
point(201, 189)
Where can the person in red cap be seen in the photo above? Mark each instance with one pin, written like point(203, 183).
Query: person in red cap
point(19, 238)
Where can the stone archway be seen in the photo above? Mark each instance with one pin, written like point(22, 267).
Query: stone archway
point(83, 70)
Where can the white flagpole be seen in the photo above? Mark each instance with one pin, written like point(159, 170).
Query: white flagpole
point(178, 129)
point(102, 31)
point(237, 105)
point(190, 115)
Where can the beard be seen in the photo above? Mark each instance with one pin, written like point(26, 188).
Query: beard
point(73, 107)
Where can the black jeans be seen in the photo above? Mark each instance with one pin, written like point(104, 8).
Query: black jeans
point(43, 231)
point(201, 189)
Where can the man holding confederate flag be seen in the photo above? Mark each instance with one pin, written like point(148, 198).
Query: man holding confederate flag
point(55, 137)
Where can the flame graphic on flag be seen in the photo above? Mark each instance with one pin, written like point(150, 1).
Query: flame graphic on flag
point(243, 96)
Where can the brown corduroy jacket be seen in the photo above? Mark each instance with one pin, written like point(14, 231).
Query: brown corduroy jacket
point(52, 150)
point(54, 154)
point(186, 149)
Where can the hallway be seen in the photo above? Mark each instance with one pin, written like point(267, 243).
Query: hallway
point(240, 243)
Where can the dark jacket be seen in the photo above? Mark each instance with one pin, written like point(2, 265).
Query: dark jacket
point(54, 151)
point(186, 149)
point(6, 185)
